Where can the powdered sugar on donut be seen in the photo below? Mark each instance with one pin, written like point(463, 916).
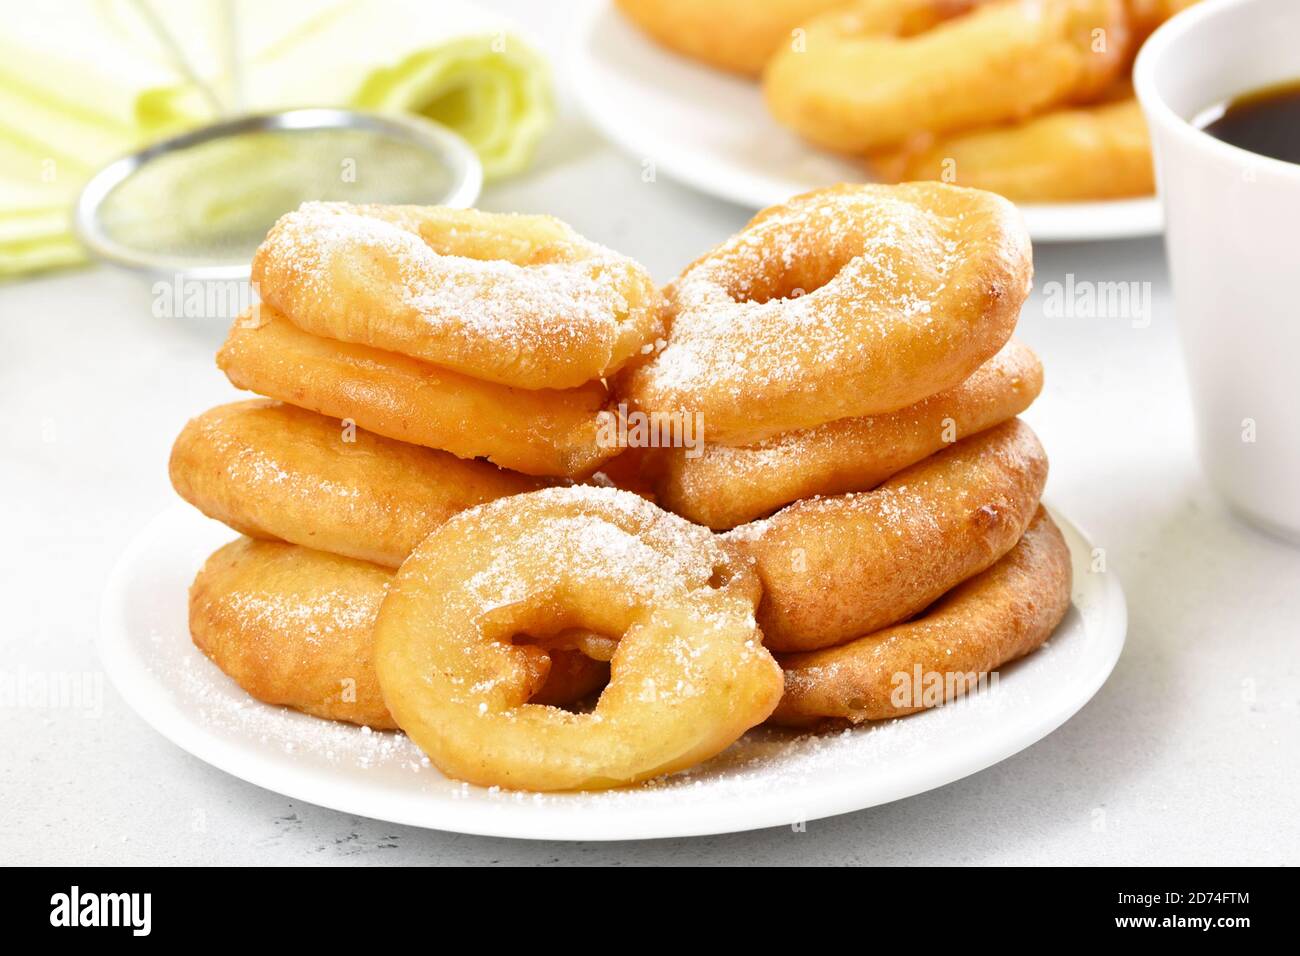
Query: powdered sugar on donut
point(661, 555)
point(849, 301)
point(379, 276)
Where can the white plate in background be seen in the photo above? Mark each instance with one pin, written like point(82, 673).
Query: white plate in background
point(710, 130)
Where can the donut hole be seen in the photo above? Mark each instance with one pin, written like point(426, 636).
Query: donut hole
point(577, 705)
point(596, 644)
point(801, 277)
point(569, 687)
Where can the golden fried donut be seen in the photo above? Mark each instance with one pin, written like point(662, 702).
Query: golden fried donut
point(725, 486)
point(1087, 152)
point(517, 300)
point(271, 470)
point(536, 432)
point(734, 35)
point(689, 674)
point(295, 627)
point(836, 568)
point(995, 617)
point(881, 71)
point(847, 301)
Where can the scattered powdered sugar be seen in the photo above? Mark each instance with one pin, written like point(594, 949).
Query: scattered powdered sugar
point(763, 762)
point(221, 707)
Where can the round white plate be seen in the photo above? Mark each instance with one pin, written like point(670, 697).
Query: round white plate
point(711, 131)
point(769, 778)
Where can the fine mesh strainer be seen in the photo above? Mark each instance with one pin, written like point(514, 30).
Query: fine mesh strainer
point(197, 205)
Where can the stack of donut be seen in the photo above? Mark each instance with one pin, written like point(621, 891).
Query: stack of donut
point(439, 538)
point(1027, 98)
point(417, 361)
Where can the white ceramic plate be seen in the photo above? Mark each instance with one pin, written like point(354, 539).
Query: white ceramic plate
point(711, 131)
point(769, 778)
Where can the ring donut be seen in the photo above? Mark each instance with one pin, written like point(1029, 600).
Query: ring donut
point(997, 616)
point(688, 677)
point(295, 627)
point(1085, 152)
point(734, 35)
point(535, 432)
point(271, 470)
point(848, 301)
point(726, 486)
point(879, 72)
point(518, 300)
point(836, 568)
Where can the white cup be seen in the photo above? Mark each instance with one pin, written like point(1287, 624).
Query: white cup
point(1232, 232)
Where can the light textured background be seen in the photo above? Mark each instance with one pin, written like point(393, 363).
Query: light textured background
point(1189, 754)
